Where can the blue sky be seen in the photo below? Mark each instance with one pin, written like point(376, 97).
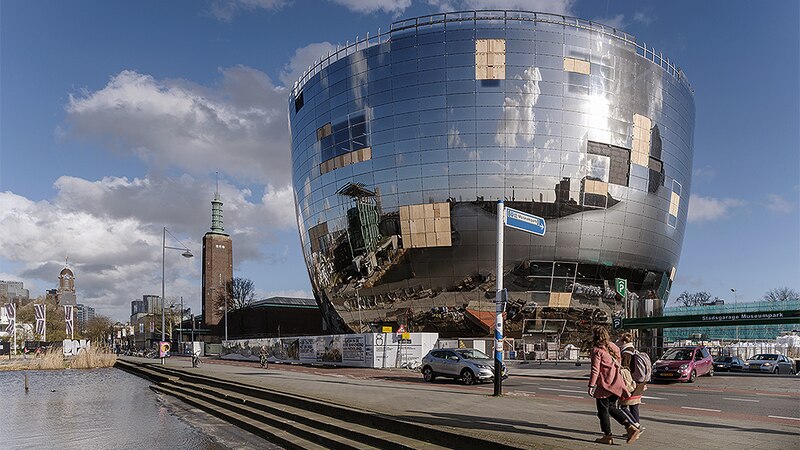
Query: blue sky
point(115, 116)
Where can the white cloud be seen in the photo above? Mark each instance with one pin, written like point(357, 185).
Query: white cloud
point(563, 7)
point(303, 58)
point(238, 127)
point(617, 21)
point(643, 17)
point(779, 204)
point(111, 229)
point(705, 209)
point(371, 6)
point(226, 10)
point(704, 174)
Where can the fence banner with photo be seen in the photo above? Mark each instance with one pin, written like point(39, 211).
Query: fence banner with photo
point(377, 350)
point(68, 320)
point(41, 315)
point(11, 313)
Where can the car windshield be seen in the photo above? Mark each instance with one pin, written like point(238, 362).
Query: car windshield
point(471, 353)
point(766, 357)
point(723, 359)
point(677, 354)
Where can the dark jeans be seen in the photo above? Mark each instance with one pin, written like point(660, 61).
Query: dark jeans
point(632, 411)
point(606, 406)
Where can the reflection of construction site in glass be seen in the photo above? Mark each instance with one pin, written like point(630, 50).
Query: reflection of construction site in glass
point(402, 145)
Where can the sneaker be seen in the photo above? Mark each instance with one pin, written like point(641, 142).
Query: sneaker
point(605, 440)
point(633, 434)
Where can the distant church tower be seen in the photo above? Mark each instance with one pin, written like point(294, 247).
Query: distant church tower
point(65, 295)
point(217, 263)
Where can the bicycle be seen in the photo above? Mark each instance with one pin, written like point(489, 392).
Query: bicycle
point(263, 361)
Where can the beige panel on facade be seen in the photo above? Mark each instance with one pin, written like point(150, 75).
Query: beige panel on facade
point(324, 131)
point(576, 65)
point(564, 299)
point(430, 225)
point(640, 153)
point(554, 300)
point(672, 274)
point(404, 213)
point(417, 212)
point(490, 59)
point(428, 208)
point(674, 202)
point(595, 187)
point(443, 239)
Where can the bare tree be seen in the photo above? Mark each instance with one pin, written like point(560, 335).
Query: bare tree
point(781, 294)
point(98, 328)
point(240, 292)
point(695, 299)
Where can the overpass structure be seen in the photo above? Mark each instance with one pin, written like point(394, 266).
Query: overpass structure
point(789, 316)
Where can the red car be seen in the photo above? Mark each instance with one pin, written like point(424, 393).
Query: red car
point(683, 364)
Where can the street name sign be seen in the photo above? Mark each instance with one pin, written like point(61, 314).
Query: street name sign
point(524, 222)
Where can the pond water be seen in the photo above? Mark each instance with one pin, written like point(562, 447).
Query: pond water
point(97, 409)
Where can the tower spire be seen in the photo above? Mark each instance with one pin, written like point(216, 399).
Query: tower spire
point(216, 211)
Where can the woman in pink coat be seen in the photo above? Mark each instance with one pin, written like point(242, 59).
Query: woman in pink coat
point(607, 386)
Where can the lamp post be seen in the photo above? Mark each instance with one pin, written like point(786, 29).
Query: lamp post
point(186, 254)
point(735, 310)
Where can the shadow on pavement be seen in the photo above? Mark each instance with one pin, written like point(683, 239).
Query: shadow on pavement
point(698, 424)
point(497, 424)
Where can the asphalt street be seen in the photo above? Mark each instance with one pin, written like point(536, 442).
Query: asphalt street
point(761, 398)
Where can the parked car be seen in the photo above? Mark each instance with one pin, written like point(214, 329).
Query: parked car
point(770, 363)
point(683, 364)
point(728, 364)
point(466, 364)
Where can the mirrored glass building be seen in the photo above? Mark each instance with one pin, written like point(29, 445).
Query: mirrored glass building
point(403, 142)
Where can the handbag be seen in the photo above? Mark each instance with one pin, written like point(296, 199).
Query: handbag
point(627, 378)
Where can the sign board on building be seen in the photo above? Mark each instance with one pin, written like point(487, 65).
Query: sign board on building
point(524, 222)
point(621, 286)
point(386, 329)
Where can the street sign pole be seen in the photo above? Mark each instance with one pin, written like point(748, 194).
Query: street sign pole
point(498, 321)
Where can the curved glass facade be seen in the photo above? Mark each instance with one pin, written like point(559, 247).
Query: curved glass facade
point(402, 145)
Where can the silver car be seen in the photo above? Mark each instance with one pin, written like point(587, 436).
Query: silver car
point(769, 363)
point(467, 364)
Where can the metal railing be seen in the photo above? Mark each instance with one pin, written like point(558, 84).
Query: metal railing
point(437, 20)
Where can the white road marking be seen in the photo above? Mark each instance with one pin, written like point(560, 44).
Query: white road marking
point(653, 398)
point(570, 396)
point(781, 417)
point(562, 390)
point(700, 409)
point(741, 399)
point(676, 395)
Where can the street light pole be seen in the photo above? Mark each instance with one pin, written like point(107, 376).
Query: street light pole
point(186, 254)
point(163, 254)
point(735, 310)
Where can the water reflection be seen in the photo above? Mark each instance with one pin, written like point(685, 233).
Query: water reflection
point(89, 409)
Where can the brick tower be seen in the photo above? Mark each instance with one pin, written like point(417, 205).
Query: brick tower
point(217, 264)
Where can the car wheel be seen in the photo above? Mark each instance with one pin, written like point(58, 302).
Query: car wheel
point(467, 377)
point(427, 374)
point(692, 376)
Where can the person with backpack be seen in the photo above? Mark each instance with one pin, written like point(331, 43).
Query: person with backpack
point(607, 386)
point(639, 365)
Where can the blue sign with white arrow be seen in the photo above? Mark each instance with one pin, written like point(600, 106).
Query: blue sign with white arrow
point(524, 221)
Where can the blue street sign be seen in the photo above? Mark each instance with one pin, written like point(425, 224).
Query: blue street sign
point(524, 221)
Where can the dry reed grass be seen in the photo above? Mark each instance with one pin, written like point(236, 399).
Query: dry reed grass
point(92, 358)
point(53, 359)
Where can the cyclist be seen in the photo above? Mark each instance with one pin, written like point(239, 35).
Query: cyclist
point(262, 356)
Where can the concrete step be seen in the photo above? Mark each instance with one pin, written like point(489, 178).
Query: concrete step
point(301, 430)
point(146, 372)
point(374, 437)
point(426, 435)
point(275, 435)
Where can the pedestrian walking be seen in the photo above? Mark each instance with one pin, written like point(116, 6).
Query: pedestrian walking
point(607, 386)
point(630, 405)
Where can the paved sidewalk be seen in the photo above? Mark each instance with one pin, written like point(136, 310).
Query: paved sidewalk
point(526, 420)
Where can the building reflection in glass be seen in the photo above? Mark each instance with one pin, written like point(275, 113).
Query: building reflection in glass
point(402, 145)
